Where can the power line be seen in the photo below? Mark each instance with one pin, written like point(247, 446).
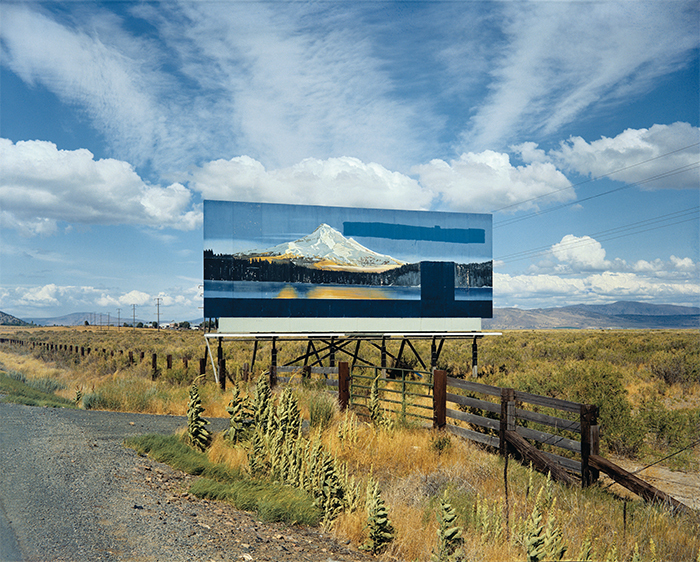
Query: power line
point(590, 180)
point(612, 233)
point(670, 173)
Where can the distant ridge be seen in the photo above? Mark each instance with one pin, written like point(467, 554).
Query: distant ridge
point(79, 318)
point(620, 315)
point(9, 320)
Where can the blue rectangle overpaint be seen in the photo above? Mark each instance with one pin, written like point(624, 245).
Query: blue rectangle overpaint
point(411, 232)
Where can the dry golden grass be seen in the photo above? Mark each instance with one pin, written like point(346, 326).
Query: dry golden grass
point(221, 451)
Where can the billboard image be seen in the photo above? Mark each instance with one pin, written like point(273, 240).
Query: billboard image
point(298, 268)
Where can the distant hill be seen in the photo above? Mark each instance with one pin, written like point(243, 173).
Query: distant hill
point(79, 318)
point(622, 315)
point(9, 320)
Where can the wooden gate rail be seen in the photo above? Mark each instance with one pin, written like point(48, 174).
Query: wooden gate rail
point(503, 425)
point(403, 392)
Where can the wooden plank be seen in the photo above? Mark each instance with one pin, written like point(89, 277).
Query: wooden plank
point(572, 465)
point(474, 386)
point(548, 402)
point(474, 419)
point(559, 423)
point(317, 370)
point(474, 403)
point(635, 484)
point(549, 439)
point(325, 370)
point(539, 460)
point(329, 382)
point(482, 438)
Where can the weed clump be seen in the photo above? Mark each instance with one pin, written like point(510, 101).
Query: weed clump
point(197, 434)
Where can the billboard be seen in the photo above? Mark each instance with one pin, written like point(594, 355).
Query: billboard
point(274, 268)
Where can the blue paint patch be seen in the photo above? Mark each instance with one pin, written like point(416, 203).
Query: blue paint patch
point(411, 232)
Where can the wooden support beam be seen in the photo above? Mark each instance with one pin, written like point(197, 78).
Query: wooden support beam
point(537, 458)
point(635, 484)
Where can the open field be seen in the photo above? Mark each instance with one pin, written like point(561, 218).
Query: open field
point(647, 384)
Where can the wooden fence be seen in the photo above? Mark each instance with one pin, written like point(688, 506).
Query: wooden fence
point(129, 357)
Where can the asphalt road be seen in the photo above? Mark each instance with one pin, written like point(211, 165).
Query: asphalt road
point(71, 492)
point(68, 487)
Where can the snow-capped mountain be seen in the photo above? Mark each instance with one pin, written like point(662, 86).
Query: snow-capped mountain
point(326, 244)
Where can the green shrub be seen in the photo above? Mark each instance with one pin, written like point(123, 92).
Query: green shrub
point(322, 408)
point(198, 435)
point(18, 392)
point(602, 385)
point(48, 385)
point(272, 502)
point(675, 367)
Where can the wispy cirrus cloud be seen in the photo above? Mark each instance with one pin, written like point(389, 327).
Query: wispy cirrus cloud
point(559, 59)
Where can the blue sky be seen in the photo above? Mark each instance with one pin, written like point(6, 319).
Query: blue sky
point(575, 123)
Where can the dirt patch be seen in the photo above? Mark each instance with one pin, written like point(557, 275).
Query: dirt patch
point(234, 534)
point(683, 486)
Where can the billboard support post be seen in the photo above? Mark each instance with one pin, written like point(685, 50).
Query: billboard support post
point(273, 364)
point(343, 385)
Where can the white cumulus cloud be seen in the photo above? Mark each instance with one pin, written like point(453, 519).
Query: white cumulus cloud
point(548, 290)
point(482, 182)
point(336, 181)
point(667, 152)
point(40, 185)
point(581, 252)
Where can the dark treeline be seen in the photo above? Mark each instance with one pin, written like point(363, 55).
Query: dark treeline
point(224, 267)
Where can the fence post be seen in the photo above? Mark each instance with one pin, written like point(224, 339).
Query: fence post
point(154, 366)
point(245, 373)
point(202, 366)
point(343, 384)
point(507, 421)
point(169, 361)
point(222, 374)
point(589, 446)
point(439, 399)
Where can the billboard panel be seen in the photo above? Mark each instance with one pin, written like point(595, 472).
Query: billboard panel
point(302, 268)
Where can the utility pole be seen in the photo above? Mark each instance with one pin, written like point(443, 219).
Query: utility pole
point(109, 322)
point(119, 318)
point(158, 299)
point(133, 316)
